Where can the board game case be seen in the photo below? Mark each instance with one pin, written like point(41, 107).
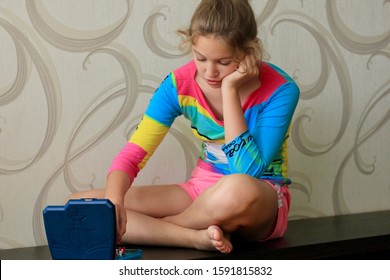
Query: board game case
point(82, 229)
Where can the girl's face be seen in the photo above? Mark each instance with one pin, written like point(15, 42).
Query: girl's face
point(214, 59)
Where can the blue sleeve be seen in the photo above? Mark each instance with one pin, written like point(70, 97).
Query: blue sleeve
point(164, 105)
point(253, 151)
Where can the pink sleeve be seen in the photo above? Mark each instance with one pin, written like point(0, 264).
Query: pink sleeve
point(128, 160)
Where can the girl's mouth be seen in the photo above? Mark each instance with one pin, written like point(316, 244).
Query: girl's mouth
point(213, 82)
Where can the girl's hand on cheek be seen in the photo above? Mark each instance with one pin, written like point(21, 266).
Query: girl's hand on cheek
point(246, 70)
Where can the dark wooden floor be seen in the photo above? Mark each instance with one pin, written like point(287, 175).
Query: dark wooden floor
point(356, 236)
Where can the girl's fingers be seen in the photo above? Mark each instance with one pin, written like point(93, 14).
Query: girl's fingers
point(248, 65)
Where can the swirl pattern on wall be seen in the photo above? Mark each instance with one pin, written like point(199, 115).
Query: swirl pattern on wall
point(50, 86)
point(77, 42)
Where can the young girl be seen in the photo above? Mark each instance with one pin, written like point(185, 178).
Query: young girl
point(241, 108)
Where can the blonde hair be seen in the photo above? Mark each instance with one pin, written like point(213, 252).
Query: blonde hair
point(231, 20)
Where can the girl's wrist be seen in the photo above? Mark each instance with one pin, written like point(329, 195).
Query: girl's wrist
point(116, 199)
point(228, 88)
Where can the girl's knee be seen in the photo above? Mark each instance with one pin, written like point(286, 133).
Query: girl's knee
point(235, 194)
point(241, 187)
point(76, 195)
point(99, 193)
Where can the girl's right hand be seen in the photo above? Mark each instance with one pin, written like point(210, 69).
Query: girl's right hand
point(121, 221)
point(117, 185)
point(121, 217)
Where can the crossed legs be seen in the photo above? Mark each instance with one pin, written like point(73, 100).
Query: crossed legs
point(167, 216)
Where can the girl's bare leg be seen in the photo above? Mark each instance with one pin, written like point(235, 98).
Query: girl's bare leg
point(237, 203)
point(146, 205)
point(146, 230)
point(165, 215)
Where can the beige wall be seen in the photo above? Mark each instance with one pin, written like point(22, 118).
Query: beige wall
point(76, 75)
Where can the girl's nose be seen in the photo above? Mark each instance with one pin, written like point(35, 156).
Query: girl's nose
point(211, 70)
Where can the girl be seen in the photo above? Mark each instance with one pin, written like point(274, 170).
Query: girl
point(241, 108)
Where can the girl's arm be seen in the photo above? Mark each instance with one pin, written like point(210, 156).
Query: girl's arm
point(159, 116)
point(117, 184)
point(252, 150)
point(234, 121)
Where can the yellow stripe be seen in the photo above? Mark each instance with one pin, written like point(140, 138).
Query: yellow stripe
point(148, 136)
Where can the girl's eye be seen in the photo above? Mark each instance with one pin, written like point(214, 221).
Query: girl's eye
point(225, 63)
point(222, 62)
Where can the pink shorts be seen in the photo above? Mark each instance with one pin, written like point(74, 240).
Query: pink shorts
point(202, 179)
point(284, 199)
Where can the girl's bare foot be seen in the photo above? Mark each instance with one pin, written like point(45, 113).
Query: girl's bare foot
point(213, 238)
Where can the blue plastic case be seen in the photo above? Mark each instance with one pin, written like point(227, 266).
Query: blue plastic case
point(82, 229)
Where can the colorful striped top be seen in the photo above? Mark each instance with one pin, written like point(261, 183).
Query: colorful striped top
point(261, 151)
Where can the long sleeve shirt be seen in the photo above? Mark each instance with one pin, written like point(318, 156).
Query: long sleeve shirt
point(261, 151)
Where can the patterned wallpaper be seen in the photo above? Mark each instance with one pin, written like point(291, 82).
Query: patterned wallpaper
point(76, 76)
